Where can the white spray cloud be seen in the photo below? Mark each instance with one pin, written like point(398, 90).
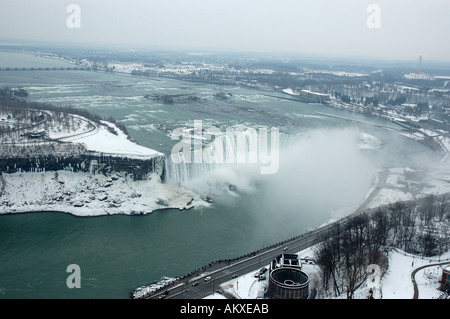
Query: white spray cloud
point(321, 171)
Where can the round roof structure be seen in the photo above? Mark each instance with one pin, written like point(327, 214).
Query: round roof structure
point(288, 283)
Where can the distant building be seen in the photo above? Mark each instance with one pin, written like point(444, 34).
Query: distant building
point(445, 281)
point(286, 279)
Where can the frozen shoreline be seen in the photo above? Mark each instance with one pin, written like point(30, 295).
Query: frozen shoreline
point(84, 194)
point(87, 192)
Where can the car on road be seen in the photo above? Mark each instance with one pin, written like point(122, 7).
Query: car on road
point(195, 283)
point(164, 295)
point(208, 278)
point(234, 276)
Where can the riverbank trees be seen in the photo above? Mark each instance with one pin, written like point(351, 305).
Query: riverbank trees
point(418, 227)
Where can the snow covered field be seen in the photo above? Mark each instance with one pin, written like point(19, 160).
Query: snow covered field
point(397, 283)
point(101, 139)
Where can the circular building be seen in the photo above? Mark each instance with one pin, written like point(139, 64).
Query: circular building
point(288, 283)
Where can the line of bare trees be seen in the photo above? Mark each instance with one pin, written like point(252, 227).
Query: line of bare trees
point(421, 227)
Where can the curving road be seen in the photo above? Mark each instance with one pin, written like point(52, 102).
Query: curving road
point(413, 275)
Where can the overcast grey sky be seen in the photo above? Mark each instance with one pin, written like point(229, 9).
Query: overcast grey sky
point(407, 28)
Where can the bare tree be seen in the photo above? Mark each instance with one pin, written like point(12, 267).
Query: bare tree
point(427, 209)
point(428, 242)
point(379, 229)
point(395, 213)
point(326, 258)
point(442, 207)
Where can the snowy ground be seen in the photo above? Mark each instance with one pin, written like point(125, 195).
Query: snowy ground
point(105, 137)
point(404, 184)
point(84, 194)
point(397, 284)
point(102, 140)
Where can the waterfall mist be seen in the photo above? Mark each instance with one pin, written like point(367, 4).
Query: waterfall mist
point(320, 172)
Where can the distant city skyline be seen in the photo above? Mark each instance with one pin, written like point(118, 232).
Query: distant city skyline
point(402, 29)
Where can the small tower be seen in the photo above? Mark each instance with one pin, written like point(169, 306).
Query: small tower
point(419, 65)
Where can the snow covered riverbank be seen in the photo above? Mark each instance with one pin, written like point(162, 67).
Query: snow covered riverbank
point(84, 194)
point(102, 172)
point(102, 140)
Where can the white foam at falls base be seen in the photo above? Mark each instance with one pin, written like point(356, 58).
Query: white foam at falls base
point(325, 163)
